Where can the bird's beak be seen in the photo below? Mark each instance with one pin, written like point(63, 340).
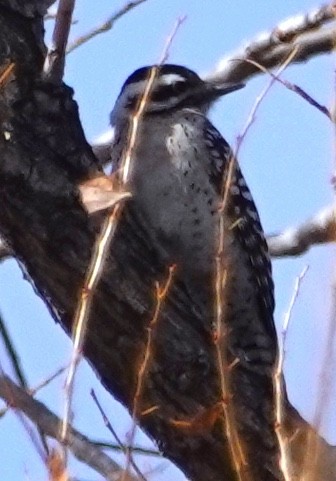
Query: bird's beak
point(209, 92)
point(222, 89)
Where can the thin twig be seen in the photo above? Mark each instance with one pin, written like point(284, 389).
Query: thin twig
point(49, 423)
point(19, 372)
point(102, 245)
point(294, 88)
point(36, 389)
point(236, 447)
point(109, 426)
point(6, 73)
point(47, 381)
point(252, 115)
point(308, 98)
point(83, 309)
point(311, 460)
point(95, 268)
point(237, 450)
point(39, 443)
point(126, 161)
point(13, 354)
point(136, 449)
point(104, 27)
point(125, 170)
point(161, 295)
point(54, 64)
point(279, 388)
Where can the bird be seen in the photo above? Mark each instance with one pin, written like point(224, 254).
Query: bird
point(179, 173)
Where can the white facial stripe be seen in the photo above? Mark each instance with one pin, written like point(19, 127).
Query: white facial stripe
point(134, 90)
point(168, 79)
point(171, 78)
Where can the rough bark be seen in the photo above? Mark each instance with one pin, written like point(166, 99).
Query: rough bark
point(27, 8)
point(44, 223)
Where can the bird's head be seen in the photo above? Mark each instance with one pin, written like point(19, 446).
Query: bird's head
point(165, 88)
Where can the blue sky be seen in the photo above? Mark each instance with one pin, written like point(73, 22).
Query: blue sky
point(287, 160)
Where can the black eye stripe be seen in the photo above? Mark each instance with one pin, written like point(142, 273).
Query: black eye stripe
point(173, 87)
point(132, 101)
point(162, 92)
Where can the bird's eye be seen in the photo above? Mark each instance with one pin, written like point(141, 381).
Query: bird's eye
point(179, 87)
point(132, 102)
point(164, 92)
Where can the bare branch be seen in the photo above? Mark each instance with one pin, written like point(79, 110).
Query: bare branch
point(103, 242)
point(295, 88)
point(12, 354)
point(302, 93)
point(55, 61)
point(116, 437)
point(237, 448)
point(136, 449)
point(41, 385)
point(142, 373)
point(294, 241)
point(279, 388)
point(105, 26)
point(269, 49)
point(49, 423)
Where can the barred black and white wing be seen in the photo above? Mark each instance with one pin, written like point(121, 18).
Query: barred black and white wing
point(245, 219)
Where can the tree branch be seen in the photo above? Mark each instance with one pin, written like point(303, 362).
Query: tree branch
point(55, 60)
point(49, 424)
point(105, 26)
point(269, 49)
point(294, 241)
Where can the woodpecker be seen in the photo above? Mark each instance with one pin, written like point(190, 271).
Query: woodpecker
point(180, 171)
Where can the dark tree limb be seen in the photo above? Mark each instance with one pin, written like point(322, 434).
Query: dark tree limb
point(44, 223)
point(293, 241)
